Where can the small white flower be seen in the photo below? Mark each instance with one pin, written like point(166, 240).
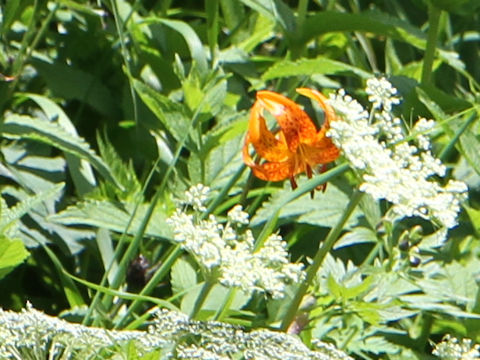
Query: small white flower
point(237, 216)
point(197, 196)
point(231, 254)
point(392, 165)
point(381, 93)
point(452, 349)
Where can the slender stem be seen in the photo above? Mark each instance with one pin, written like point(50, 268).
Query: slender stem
point(433, 26)
point(302, 12)
point(317, 261)
point(302, 189)
point(227, 301)
point(200, 300)
point(156, 278)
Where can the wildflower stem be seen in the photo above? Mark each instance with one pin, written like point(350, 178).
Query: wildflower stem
point(301, 190)
point(317, 261)
point(200, 300)
point(433, 21)
point(219, 315)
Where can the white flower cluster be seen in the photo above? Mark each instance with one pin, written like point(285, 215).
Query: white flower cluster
point(392, 167)
point(452, 349)
point(31, 334)
point(226, 250)
point(223, 341)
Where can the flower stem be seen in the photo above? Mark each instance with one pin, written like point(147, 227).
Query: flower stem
point(200, 300)
point(433, 21)
point(319, 257)
point(227, 301)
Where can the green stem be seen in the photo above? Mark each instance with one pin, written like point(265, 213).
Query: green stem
point(301, 190)
point(227, 301)
point(156, 278)
point(319, 257)
point(200, 300)
point(433, 21)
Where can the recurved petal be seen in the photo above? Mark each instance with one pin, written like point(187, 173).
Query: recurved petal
point(322, 101)
point(323, 151)
point(263, 140)
point(268, 171)
point(274, 171)
point(295, 124)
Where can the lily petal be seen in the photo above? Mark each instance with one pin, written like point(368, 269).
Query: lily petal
point(269, 171)
point(263, 140)
point(322, 100)
point(295, 124)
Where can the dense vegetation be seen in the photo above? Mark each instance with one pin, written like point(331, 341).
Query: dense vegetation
point(113, 113)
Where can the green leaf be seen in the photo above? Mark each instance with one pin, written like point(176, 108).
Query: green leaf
point(89, 89)
point(55, 135)
point(323, 210)
point(80, 170)
point(9, 216)
point(276, 11)
point(183, 276)
point(10, 12)
point(113, 216)
point(357, 235)
point(171, 114)
point(309, 67)
point(12, 254)
point(191, 38)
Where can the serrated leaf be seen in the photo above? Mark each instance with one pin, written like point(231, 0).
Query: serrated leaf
point(309, 67)
point(112, 216)
point(171, 114)
point(80, 170)
point(12, 254)
point(13, 214)
point(323, 210)
point(357, 235)
point(53, 134)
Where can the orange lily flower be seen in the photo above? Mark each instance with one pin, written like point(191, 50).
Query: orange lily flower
point(297, 146)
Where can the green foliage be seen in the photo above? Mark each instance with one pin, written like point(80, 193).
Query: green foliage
point(110, 110)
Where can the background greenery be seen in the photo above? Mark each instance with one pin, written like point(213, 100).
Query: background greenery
point(111, 109)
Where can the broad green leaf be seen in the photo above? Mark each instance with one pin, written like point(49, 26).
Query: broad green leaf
point(112, 216)
point(309, 67)
point(183, 276)
point(12, 254)
point(171, 114)
point(55, 135)
point(275, 10)
point(89, 89)
point(373, 22)
point(262, 31)
point(191, 38)
point(323, 210)
point(80, 170)
point(214, 300)
point(357, 235)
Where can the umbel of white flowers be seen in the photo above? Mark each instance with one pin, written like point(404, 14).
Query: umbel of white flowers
point(33, 335)
point(226, 251)
point(453, 349)
point(393, 165)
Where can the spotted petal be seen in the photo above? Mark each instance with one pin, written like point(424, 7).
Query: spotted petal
point(295, 124)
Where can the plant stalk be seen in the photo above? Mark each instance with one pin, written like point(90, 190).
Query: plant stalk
point(432, 37)
point(318, 260)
